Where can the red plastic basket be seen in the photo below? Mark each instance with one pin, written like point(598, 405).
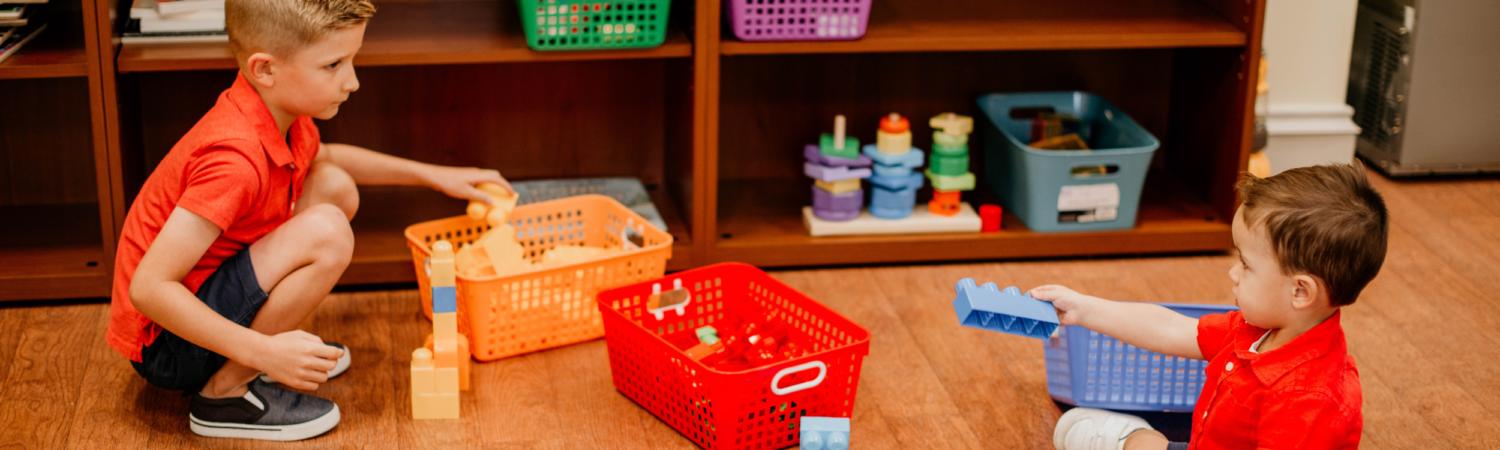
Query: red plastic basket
point(753, 409)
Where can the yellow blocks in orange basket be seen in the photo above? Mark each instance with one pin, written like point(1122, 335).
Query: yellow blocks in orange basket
point(439, 373)
point(497, 212)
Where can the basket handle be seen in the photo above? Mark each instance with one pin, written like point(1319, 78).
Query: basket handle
point(776, 380)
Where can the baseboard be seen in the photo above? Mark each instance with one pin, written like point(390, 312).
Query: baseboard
point(1307, 134)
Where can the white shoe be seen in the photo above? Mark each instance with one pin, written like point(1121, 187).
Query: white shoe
point(1095, 429)
point(338, 367)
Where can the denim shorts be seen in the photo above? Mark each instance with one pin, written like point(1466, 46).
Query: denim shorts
point(171, 362)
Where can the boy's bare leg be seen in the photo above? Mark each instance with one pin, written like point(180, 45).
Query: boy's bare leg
point(297, 264)
point(1146, 440)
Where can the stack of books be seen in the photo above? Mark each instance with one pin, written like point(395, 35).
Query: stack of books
point(168, 21)
point(16, 26)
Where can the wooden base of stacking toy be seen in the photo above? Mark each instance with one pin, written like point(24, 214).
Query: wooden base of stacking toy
point(921, 221)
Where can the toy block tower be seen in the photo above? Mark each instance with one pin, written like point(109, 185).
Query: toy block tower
point(439, 373)
point(836, 166)
point(949, 167)
point(895, 184)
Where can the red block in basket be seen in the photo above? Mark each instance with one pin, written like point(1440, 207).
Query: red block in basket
point(721, 408)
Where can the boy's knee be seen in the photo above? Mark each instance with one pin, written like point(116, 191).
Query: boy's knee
point(329, 183)
point(327, 227)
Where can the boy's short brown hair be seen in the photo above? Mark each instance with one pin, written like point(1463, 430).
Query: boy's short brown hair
point(1325, 221)
point(281, 26)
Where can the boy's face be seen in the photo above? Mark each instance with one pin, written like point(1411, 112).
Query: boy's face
point(1263, 292)
point(315, 80)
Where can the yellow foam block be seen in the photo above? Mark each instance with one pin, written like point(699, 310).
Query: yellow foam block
point(503, 202)
point(567, 254)
point(445, 325)
point(839, 187)
point(463, 360)
point(893, 143)
point(445, 352)
point(446, 380)
point(505, 254)
point(426, 401)
point(442, 265)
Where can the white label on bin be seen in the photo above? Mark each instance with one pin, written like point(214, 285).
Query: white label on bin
point(1090, 203)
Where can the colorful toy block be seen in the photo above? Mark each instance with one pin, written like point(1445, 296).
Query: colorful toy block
point(941, 138)
point(949, 165)
point(837, 144)
point(1008, 311)
point(839, 187)
point(909, 181)
point(824, 433)
point(811, 153)
point(837, 207)
point(834, 173)
point(963, 182)
point(892, 204)
point(953, 124)
point(989, 216)
point(463, 359)
point(894, 135)
point(945, 203)
point(495, 213)
point(911, 159)
point(949, 150)
point(427, 402)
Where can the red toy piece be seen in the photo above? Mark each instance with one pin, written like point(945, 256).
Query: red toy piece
point(894, 123)
point(989, 217)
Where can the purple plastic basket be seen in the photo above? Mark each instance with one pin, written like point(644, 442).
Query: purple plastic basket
point(798, 20)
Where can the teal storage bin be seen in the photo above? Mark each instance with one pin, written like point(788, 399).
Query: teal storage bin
point(1066, 190)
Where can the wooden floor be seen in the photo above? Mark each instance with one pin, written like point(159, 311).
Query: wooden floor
point(1426, 335)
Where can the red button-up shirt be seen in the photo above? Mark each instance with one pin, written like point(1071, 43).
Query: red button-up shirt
point(233, 168)
point(1302, 395)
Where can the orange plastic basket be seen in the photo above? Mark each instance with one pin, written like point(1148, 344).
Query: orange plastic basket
point(515, 314)
point(755, 409)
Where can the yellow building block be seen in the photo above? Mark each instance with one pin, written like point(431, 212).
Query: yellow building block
point(497, 212)
point(442, 264)
point(505, 254)
point(426, 401)
point(953, 124)
point(464, 362)
point(445, 325)
point(445, 352)
point(839, 187)
point(447, 380)
point(893, 143)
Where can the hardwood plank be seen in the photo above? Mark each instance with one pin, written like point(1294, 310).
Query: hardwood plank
point(108, 413)
point(43, 381)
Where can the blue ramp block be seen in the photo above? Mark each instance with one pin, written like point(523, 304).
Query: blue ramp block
point(987, 307)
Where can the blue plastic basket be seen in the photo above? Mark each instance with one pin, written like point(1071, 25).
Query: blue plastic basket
point(1088, 369)
point(1034, 183)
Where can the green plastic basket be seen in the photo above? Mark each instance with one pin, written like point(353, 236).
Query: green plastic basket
point(593, 25)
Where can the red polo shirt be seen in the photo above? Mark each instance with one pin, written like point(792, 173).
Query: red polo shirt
point(235, 169)
point(1304, 394)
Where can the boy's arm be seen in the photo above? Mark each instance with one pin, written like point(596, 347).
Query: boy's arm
point(370, 167)
point(1150, 327)
point(156, 290)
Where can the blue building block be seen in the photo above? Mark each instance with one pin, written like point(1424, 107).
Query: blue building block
point(908, 160)
point(825, 433)
point(829, 174)
point(444, 299)
point(814, 156)
point(1006, 311)
point(909, 180)
point(892, 204)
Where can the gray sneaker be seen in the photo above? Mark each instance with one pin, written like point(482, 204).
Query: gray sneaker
point(266, 412)
point(338, 367)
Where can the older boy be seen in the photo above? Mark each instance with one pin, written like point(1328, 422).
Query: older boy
point(243, 228)
point(1279, 374)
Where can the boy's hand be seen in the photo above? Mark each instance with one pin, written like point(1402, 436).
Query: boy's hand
point(460, 182)
point(298, 359)
point(1071, 306)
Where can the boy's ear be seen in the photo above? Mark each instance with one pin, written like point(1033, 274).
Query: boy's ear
point(260, 67)
point(1307, 291)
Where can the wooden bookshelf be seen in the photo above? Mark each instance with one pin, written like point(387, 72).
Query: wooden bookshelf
point(415, 33)
point(1000, 25)
point(711, 124)
point(57, 52)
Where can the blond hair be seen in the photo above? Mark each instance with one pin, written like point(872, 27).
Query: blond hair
point(1326, 221)
point(279, 27)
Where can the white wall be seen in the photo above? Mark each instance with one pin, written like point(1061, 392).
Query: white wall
point(1308, 44)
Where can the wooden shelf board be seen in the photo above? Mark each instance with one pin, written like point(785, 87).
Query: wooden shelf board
point(763, 222)
point(57, 52)
point(418, 33)
point(924, 26)
point(380, 251)
point(52, 251)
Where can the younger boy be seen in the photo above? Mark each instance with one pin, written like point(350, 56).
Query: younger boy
point(243, 228)
point(1279, 374)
